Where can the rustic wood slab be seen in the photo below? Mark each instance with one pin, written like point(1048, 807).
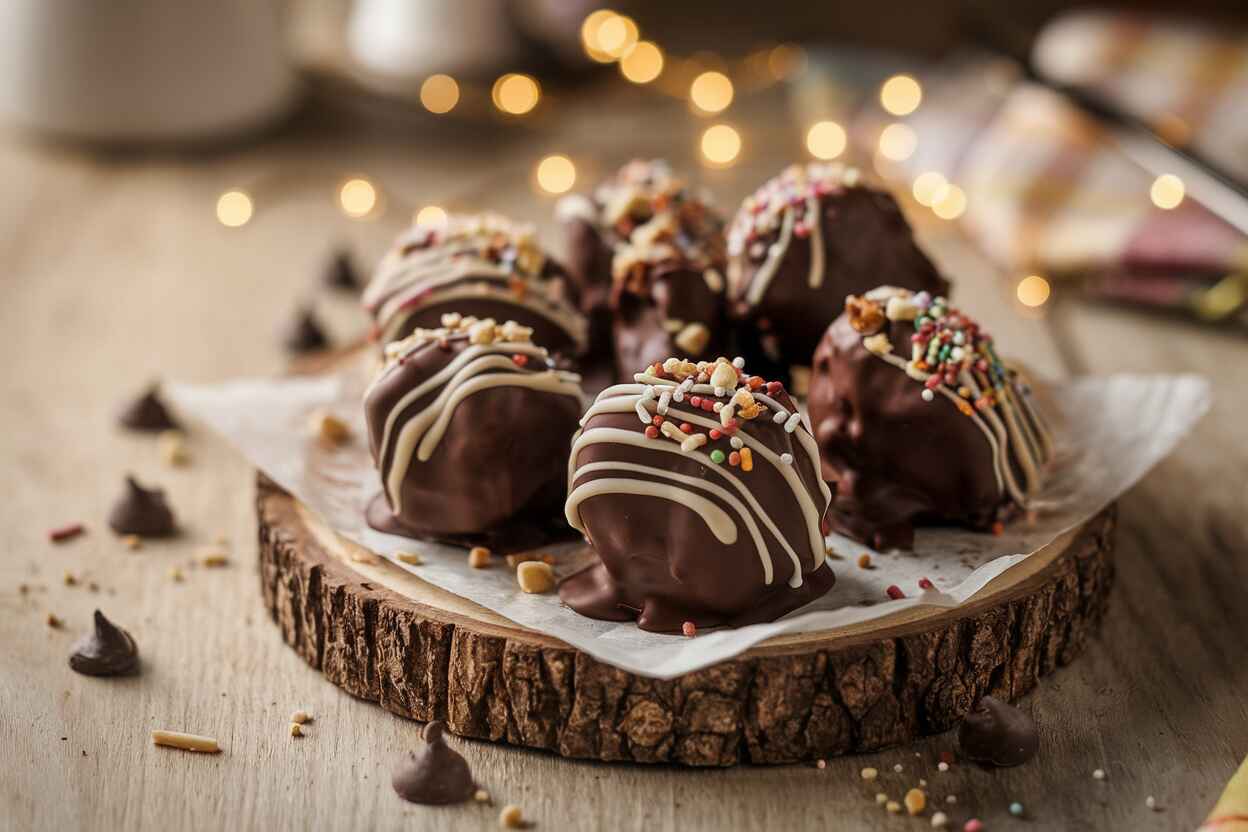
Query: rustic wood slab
point(385, 635)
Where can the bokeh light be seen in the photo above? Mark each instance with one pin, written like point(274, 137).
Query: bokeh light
point(616, 35)
point(721, 144)
point(439, 93)
point(901, 95)
point(643, 63)
point(357, 197)
point(928, 187)
point(786, 61)
point(589, 34)
point(898, 142)
point(1033, 291)
point(711, 92)
point(1167, 191)
point(516, 94)
point(234, 208)
point(950, 203)
point(556, 174)
point(826, 140)
point(431, 215)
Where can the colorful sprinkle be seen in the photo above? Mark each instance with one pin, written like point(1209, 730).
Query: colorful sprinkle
point(63, 533)
point(973, 825)
point(926, 584)
point(1016, 809)
point(652, 432)
point(786, 458)
point(864, 561)
point(894, 592)
point(685, 427)
point(734, 458)
point(520, 359)
point(747, 460)
point(716, 433)
point(717, 456)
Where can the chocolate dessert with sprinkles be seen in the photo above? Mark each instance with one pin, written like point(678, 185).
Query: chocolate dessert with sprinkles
point(649, 255)
point(920, 421)
point(480, 265)
point(698, 485)
point(802, 242)
point(469, 426)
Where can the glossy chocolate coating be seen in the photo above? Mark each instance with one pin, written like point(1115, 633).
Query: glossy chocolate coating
point(661, 564)
point(436, 775)
point(501, 461)
point(147, 413)
point(866, 243)
point(107, 650)
point(142, 511)
point(998, 733)
point(896, 461)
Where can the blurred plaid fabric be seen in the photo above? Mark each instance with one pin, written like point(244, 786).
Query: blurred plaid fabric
point(1047, 191)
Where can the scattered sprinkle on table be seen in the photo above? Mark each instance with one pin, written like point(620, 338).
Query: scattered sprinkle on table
point(511, 817)
point(1098, 774)
point(864, 561)
point(973, 825)
point(893, 807)
point(821, 764)
point(689, 629)
point(64, 533)
point(898, 768)
point(939, 820)
point(894, 592)
point(1016, 809)
point(187, 742)
point(1151, 802)
point(916, 801)
point(869, 773)
point(881, 798)
point(951, 799)
point(942, 766)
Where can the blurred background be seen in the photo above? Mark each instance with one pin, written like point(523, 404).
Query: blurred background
point(1090, 154)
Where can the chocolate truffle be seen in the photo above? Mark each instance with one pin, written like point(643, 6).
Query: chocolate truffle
point(142, 511)
point(800, 244)
point(998, 733)
point(437, 775)
point(649, 252)
point(147, 413)
point(482, 266)
point(107, 650)
point(919, 420)
point(469, 426)
point(699, 487)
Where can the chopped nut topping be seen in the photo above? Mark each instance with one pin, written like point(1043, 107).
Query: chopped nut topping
point(296, 730)
point(481, 796)
point(693, 338)
point(173, 448)
point(511, 817)
point(300, 716)
point(175, 575)
point(410, 558)
point(916, 801)
point(535, 577)
point(54, 622)
point(132, 542)
point(479, 557)
point(865, 316)
point(187, 742)
point(328, 428)
point(213, 557)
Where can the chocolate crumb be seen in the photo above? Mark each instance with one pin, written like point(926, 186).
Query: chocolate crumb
point(997, 733)
point(305, 333)
point(142, 511)
point(147, 413)
point(107, 650)
point(435, 775)
point(340, 273)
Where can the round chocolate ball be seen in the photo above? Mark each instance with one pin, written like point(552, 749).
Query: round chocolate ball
point(698, 486)
point(469, 426)
point(800, 244)
point(648, 255)
point(484, 266)
point(919, 421)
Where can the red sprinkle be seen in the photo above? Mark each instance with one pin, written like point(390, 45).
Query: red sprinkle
point(64, 533)
point(998, 528)
point(755, 382)
point(732, 427)
point(689, 629)
point(695, 401)
point(520, 359)
point(708, 405)
point(652, 432)
point(685, 427)
point(924, 583)
point(895, 592)
point(947, 758)
point(734, 458)
point(774, 387)
point(973, 825)
point(716, 433)
point(656, 420)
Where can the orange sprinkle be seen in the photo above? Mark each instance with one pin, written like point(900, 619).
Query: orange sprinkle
point(966, 409)
point(747, 460)
point(518, 287)
point(998, 528)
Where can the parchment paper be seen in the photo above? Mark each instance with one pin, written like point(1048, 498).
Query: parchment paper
point(1110, 432)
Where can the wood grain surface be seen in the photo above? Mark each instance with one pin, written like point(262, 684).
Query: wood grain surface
point(115, 272)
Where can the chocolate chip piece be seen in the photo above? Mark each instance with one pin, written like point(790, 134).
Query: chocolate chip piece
point(340, 273)
point(997, 733)
point(305, 333)
point(147, 413)
point(142, 511)
point(107, 650)
point(437, 774)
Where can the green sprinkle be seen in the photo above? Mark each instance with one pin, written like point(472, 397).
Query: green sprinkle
point(717, 456)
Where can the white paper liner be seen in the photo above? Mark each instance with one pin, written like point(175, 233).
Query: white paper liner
point(1110, 432)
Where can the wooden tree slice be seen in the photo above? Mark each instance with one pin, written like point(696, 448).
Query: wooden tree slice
point(384, 635)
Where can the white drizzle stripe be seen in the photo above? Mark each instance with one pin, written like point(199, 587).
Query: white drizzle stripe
point(443, 407)
point(620, 404)
point(721, 525)
point(618, 436)
point(989, 415)
point(572, 507)
point(762, 278)
point(576, 327)
point(815, 223)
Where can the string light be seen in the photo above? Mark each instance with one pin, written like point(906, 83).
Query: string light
point(1167, 191)
point(616, 35)
point(357, 197)
point(897, 142)
point(439, 94)
point(720, 145)
point(826, 140)
point(643, 63)
point(556, 174)
point(590, 28)
point(901, 95)
point(928, 187)
point(711, 92)
point(234, 208)
point(950, 203)
point(431, 215)
point(1033, 291)
point(515, 93)
point(786, 61)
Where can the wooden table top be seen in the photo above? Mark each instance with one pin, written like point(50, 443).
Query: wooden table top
point(115, 272)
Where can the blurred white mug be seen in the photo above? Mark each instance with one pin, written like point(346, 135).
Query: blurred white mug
point(143, 70)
